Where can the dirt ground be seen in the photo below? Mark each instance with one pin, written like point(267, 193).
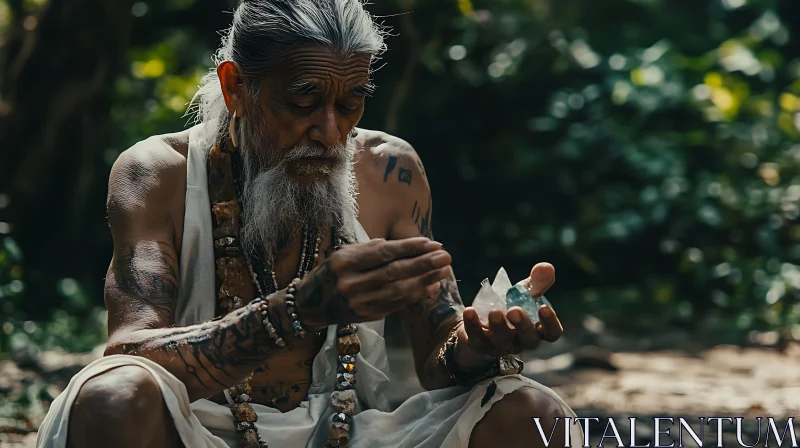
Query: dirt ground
point(614, 378)
point(720, 381)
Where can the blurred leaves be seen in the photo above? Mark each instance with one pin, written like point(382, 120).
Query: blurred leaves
point(661, 161)
point(649, 149)
point(77, 325)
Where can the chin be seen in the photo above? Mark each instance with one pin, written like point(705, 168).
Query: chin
point(309, 177)
point(309, 173)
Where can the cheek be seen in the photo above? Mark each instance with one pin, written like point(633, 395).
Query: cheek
point(357, 115)
point(288, 127)
point(350, 120)
point(285, 127)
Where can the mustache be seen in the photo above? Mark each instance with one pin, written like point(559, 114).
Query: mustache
point(338, 152)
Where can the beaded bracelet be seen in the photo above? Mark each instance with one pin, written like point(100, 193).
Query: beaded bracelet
point(271, 331)
point(504, 365)
point(291, 309)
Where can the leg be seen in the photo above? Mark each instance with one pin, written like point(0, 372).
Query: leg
point(122, 408)
point(509, 422)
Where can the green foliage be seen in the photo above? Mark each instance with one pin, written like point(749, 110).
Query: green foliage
point(647, 148)
point(77, 325)
point(11, 286)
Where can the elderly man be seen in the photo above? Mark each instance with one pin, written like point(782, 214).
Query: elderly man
point(249, 283)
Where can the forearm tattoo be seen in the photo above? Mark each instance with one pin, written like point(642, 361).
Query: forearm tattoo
point(443, 309)
point(206, 357)
point(142, 293)
point(447, 302)
point(431, 320)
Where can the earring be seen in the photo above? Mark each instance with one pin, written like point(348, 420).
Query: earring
point(232, 131)
point(353, 133)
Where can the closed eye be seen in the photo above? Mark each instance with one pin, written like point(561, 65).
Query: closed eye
point(304, 106)
point(349, 108)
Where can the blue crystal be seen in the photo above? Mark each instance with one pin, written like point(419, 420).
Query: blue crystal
point(518, 296)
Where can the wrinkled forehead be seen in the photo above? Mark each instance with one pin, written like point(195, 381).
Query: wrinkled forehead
point(322, 69)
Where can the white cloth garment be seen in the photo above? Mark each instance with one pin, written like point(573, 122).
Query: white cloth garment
point(440, 418)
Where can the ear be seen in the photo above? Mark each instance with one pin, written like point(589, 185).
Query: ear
point(233, 88)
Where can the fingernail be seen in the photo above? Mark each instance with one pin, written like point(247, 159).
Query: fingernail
point(440, 260)
point(514, 318)
point(432, 245)
point(544, 310)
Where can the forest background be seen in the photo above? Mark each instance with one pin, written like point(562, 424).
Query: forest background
point(647, 148)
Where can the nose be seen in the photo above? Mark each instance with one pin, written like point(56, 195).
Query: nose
point(326, 129)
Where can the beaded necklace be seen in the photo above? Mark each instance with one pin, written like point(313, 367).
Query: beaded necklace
point(233, 268)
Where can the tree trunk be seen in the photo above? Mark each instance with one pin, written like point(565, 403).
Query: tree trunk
point(57, 70)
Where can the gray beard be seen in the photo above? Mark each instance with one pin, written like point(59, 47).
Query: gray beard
point(276, 208)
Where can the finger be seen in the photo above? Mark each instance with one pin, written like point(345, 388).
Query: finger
point(434, 289)
point(478, 340)
point(502, 336)
point(543, 275)
point(412, 289)
point(378, 303)
point(401, 269)
point(526, 331)
point(551, 328)
point(375, 305)
point(373, 255)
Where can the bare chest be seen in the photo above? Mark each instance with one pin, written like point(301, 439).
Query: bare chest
point(284, 380)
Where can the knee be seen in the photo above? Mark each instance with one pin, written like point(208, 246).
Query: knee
point(513, 419)
point(528, 403)
point(127, 396)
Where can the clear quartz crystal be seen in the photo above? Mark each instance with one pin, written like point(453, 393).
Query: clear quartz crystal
point(501, 295)
point(488, 298)
point(501, 283)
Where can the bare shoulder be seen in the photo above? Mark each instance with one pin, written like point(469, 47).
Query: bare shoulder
point(380, 155)
point(392, 184)
point(146, 177)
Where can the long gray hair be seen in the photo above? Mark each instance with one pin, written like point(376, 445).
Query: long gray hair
point(263, 31)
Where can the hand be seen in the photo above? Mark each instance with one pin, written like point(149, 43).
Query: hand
point(513, 331)
point(366, 282)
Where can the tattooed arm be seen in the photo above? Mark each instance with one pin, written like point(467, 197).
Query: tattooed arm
point(430, 321)
point(146, 188)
